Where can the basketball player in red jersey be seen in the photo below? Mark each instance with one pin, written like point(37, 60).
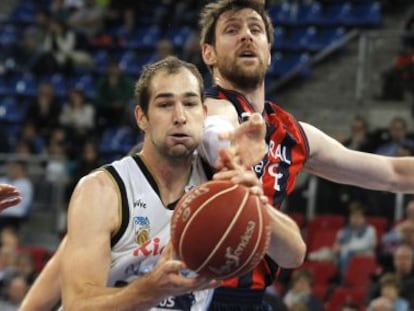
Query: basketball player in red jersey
point(9, 196)
point(236, 40)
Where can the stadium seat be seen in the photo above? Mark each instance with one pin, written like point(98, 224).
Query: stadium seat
point(320, 291)
point(59, 83)
point(130, 63)
point(321, 238)
point(333, 15)
point(39, 254)
point(145, 38)
point(298, 39)
point(363, 15)
point(5, 88)
point(8, 35)
point(278, 38)
point(284, 64)
point(12, 110)
point(299, 218)
point(100, 60)
point(330, 222)
point(24, 85)
point(178, 36)
point(323, 272)
point(324, 37)
point(279, 13)
point(360, 270)
point(342, 295)
point(86, 83)
point(380, 224)
point(24, 12)
point(116, 142)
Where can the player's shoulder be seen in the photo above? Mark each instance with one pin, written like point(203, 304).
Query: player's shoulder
point(219, 106)
point(97, 179)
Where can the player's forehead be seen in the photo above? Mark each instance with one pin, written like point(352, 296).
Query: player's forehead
point(239, 15)
point(181, 83)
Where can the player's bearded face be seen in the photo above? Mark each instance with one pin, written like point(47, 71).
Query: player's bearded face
point(235, 70)
point(241, 50)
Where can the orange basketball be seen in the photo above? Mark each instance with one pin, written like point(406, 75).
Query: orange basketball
point(220, 230)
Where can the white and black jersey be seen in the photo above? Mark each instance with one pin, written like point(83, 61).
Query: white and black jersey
point(145, 227)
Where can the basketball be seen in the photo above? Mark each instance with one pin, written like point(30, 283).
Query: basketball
point(220, 230)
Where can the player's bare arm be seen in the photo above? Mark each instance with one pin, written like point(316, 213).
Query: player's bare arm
point(331, 160)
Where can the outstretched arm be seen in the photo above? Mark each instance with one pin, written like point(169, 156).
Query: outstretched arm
point(9, 196)
point(331, 160)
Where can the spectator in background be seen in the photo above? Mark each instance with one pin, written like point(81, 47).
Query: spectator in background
point(300, 292)
point(8, 256)
point(60, 10)
point(163, 49)
point(78, 117)
point(395, 80)
point(9, 237)
point(192, 54)
point(25, 267)
point(16, 289)
point(356, 238)
point(60, 51)
point(397, 138)
point(17, 176)
point(359, 139)
point(29, 134)
point(44, 110)
point(114, 91)
point(390, 289)
point(27, 53)
point(380, 304)
point(88, 19)
point(401, 232)
point(56, 168)
point(86, 164)
point(403, 268)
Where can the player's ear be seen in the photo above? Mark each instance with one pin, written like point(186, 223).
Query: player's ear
point(141, 118)
point(209, 54)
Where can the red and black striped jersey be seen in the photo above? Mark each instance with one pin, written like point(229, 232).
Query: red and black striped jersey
point(287, 153)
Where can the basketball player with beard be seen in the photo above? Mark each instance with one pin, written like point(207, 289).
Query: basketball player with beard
point(236, 40)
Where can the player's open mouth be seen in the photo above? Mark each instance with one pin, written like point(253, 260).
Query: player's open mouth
point(247, 54)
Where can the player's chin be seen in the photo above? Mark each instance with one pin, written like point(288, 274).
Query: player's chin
point(182, 150)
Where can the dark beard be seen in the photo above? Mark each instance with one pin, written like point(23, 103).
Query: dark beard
point(243, 80)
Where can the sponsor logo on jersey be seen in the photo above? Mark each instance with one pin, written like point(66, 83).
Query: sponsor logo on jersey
point(149, 248)
point(142, 229)
point(139, 203)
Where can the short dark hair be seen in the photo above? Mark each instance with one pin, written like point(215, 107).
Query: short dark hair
point(170, 64)
point(212, 11)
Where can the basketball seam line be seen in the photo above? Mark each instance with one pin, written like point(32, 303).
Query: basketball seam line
point(226, 233)
point(180, 248)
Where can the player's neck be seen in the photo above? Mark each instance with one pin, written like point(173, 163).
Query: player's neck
point(255, 96)
point(171, 176)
